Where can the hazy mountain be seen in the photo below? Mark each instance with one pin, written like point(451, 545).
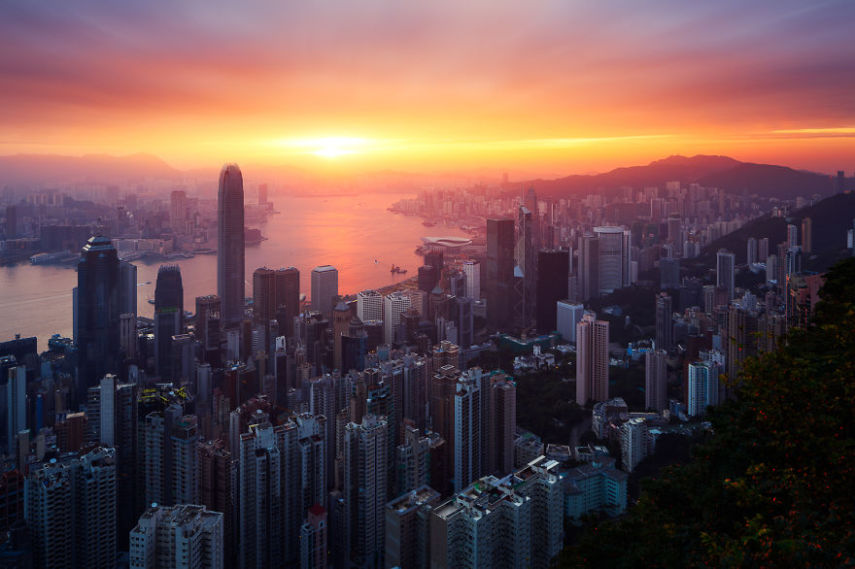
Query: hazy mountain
point(35, 169)
point(714, 171)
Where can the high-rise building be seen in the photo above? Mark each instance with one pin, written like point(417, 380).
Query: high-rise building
point(171, 457)
point(526, 259)
point(341, 326)
point(264, 295)
point(807, 235)
point(369, 305)
point(703, 387)
point(500, 423)
point(762, 250)
point(16, 407)
point(230, 245)
point(208, 324)
point(288, 296)
point(724, 272)
point(669, 273)
point(394, 304)
point(127, 288)
point(468, 428)
point(408, 528)
point(612, 258)
point(751, 251)
point(589, 267)
point(655, 380)
point(217, 481)
point(472, 270)
point(792, 235)
point(592, 359)
point(261, 520)
point(324, 289)
point(97, 312)
point(168, 316)
point(664, 323)
point(71, 511)
point(313, 539)
point(500, 271)
point(553, 268)
point(514, 521)
point(633, 442)
point(567, 316)
point(178, 210)
point(179, 537)
point(365, 477)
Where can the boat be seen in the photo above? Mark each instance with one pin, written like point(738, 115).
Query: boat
point(397, 270)
point(427, 223)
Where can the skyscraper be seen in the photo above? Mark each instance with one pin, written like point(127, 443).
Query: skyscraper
point(567, 316)
point(369, 305)
point(178, 537)
point(792, 235)
point(472, 270)
point(313, 539)
point(664, 325)
point(807, 234)
point(553, 268)
point(178, 210)
point(724, 273)
point(589, 267)
point(168, 315)
point(98, 312)
point(324, 289)
point(16, 407)
point(208, 322)
point(263, 295)
point(394, 305)
point(703, 387)
point(127, 288)
point(592, 359)
point(287, 284)
point(611, 258)
point(655, 380)
point(500, 271)
point(751, 250)
point(526, 258)
point(500, 423)
point(762, 249)
point(230, 245)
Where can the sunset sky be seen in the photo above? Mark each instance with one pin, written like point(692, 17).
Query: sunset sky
point(551, 87)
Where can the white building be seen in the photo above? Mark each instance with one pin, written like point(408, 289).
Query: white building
point(633, 442)
point(568, 315)
point(472, 270)
point(324, 288)
point(369, 305)
point(594, 487)
point(592, 359)
point(394, 305)
point(177, 537)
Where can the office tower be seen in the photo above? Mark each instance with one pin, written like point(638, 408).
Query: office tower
point(168, 316)
point(261, 520)
point(807, 235)
point(792, 235)
point(472, 270)
point(365, 477)
point(313, 539)
point(287, 284)
point(762, 250)
point(178, 210)
point(611, 258)
point(264, 295)
point(514, 521)
point(16, 406)
point(655, 380)
point(500, 271)
point(669, 273)
point(501, 423)
point(341, 325)
point(182, 360)
point(434, 258)
point(324, 289)
point(526, 259)
point(208, 322)
point(97, 310)
point(592, 359)
point(128, 335)
point(771, 269)
point(394, 305)
point(170, 457)
point(751, 251)
point(230, 245)
point(664, 323)
point(724, 273)
point(552, 270)
point(794, 261)
point(71, 511)
point(408, 528)
point(468, 433)
point(427, 278)
point(703, 387)
point(178, 537)
point(369, 305)
point(589, 267)
point(739, 338)
point(567, 316)
point(464, 320)
point(675, 228)
point(127, 288)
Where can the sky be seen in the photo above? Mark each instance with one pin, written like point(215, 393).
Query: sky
point(549, 87)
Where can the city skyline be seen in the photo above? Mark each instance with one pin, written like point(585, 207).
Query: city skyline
point(553, 88)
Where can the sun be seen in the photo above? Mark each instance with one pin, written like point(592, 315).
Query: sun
point(334, 146)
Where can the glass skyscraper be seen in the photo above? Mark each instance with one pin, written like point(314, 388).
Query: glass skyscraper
point(230, 245)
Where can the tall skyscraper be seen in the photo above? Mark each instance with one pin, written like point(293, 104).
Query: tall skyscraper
point(178, 210)
point(261, 518)
point(500, 423)
point(553, 268)
point(394, 305)
point(324, 289)
point(655, 380)
point(807, 235)
point(792, 235)
point(313, 539)
point(178, 537)
point(468, 428)
point(592, 359)
point(168, 316)
point(703, 387)
point(263, 295)
point(669, 273)
point(98, 312)
point(127, 288)
point(71, 511)
point(472, 270)
point(366, 450)
point(762, 250)
point(724, 273)
point(407, 528)
point(589, 267)
point(16, 407)
point(526, 259)
point(208, 323)
point(288, 295)
point(751, 250)
point(171, 457)
point(500, 272)
point(664, 323)
point(567, 316)
point(612, 258)
point(230, 245)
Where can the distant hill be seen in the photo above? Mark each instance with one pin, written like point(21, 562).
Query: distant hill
point(714, 171)
point(99, 168)
point(831, 218)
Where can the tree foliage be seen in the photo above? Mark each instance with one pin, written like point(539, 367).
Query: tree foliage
point(775, 485)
